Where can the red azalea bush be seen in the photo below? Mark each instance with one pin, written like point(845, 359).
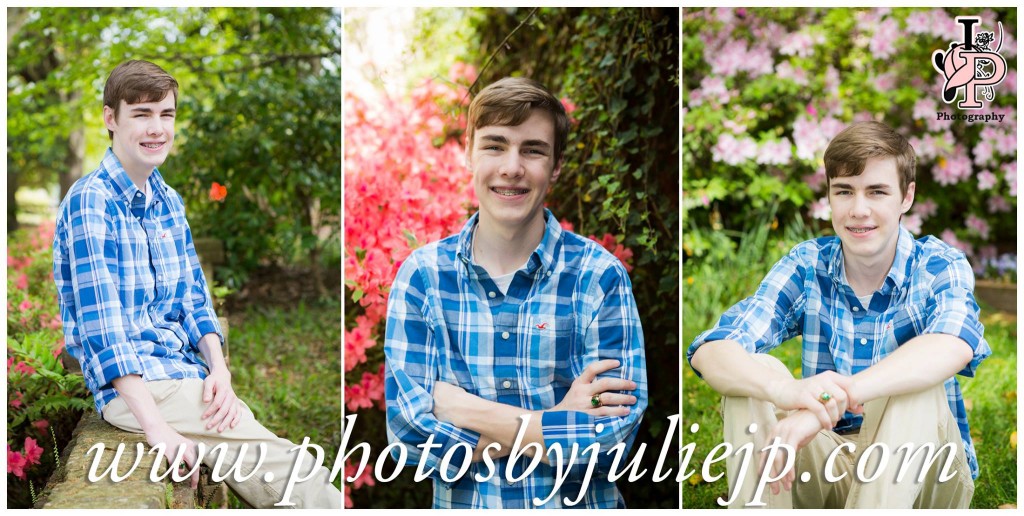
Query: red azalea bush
point(43, 400)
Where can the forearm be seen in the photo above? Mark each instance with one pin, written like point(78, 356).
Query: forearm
point(732, 371)
point(212, 352)
point(920, 363)
point(500, 423)
point(132, 389)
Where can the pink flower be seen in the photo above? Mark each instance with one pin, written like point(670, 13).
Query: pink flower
point(733, 151)
point(882, 43)
point(821, 210)
point(775, 153)
point(986, 180)
point(953, 170)
point(786, 70)
point(16, 463)
point(925, 109)
point(566, 225)
point(25, 305)
point(1010, 173)
point(22, 282)
point(32, 451)
point(998, 204)
point(816, 180)
point(714, 89)
point(978, 226)
point(950, 238)
point(982, 152)
point(926, 208)
point(41, 425)
point(912, 222)
point(365, 477)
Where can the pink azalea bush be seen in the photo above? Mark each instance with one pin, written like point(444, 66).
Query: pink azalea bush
point(39, 390)
point(766, 90)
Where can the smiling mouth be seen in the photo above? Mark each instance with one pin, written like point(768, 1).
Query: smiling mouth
point(861, 230)
point(509, 192)
point(152, 145)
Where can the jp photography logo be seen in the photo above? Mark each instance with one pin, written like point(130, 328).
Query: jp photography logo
point(972, 65)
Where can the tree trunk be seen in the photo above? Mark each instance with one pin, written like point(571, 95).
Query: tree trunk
point(75, 147)
point(12, 203)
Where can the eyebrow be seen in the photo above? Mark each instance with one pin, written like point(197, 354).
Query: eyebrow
point(148, 110)
point(847, 186)
point(497, 138)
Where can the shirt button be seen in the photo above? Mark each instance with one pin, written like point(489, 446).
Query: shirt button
point(549, 273)
point(855, 309)
point(504, 335)
point(491, 295)
point(863, 341)
point(138, 194)
point(160, 277)
point(507, 384)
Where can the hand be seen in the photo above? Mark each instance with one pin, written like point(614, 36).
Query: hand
point(583, 389)
point(795, 430)
point(222, 405)
point(806, 394)
point(172, 440)
point(447, 402)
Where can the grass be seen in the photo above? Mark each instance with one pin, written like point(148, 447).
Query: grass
point(286, 365)
point(717, 282)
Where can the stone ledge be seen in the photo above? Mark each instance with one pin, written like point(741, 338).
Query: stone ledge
point(69, 487)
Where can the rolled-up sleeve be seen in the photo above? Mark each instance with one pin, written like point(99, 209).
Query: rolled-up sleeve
point(767, 318)
point(89, 291)
point(411, 368)
point(952, 309)
point(613, 332)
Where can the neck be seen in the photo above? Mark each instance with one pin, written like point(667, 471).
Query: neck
point(138, 174)
point(866, 275)
point(501, 249)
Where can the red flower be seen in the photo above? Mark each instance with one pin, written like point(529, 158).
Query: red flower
point(32, 451)
point(42, 425)
point(15, 463)
point(218, 192)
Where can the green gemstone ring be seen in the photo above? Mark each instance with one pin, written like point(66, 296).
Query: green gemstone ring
point(824, 397)
point(595, 400)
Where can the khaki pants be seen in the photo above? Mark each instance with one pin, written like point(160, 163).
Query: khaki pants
point(181, 404)
point(921, 417)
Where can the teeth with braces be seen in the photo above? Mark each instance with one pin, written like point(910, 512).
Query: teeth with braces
point(152, 145)
point(860, 230)
point(510, 193)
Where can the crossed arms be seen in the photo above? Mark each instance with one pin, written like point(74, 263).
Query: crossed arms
point(423, 400)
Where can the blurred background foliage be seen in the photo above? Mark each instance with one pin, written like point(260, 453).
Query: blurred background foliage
point(259, 113)
point(619, 68)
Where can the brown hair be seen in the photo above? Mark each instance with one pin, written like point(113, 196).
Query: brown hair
point(851, 148)
point(508, 102)
point(137, 81)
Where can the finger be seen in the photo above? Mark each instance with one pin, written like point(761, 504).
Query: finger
point(208, 389)
point(219, 397)
point(819, 411)
point(237, 419)
point(613, 384)
point(610, 411)
point(611, 399)
point(230, 416)
point(218, 417)
point(596, 368)
point(833, 413)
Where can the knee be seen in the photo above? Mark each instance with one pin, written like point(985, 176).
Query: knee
point(771, 362)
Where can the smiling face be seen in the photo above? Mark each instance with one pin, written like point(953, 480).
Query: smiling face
point(866, 210)
point(513, 166)
point(142, 133)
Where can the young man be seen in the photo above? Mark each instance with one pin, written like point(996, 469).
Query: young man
point(514, 316)
point(136, 309)
point(886, 321)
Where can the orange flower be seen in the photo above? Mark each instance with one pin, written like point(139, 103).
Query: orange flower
point(218, 191)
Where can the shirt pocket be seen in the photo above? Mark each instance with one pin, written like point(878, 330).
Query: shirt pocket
point(169, 259)
point(549, 344)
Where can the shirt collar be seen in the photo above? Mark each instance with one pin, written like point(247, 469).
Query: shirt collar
point(542, 258)
point(122, 182)
point(898, 272)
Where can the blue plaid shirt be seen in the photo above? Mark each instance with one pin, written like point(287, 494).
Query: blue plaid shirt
point(132, 295)
point(929, 289)
point(571, 305)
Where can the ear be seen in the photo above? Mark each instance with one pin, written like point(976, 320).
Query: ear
point(109, 119)
point(908, 200)
point(556, 172)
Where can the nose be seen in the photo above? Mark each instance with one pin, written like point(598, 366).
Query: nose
point(154, 126)
point(512, 165)
point(861, 207)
